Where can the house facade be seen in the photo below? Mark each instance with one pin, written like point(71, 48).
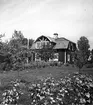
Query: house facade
point(62, 47)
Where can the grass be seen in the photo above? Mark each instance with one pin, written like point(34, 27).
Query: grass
point(32, 75)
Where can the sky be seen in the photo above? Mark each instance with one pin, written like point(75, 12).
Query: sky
point(69, 18)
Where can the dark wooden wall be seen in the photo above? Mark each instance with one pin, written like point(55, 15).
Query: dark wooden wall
point(61, 57)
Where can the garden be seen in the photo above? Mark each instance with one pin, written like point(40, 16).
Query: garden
point(24, 82)
point(70, 88)
point(47, 85)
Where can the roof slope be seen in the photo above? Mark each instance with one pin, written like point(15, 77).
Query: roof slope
point(61, 43)
point(51, 39)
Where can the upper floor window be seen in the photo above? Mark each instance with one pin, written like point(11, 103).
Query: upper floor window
point(41, 44)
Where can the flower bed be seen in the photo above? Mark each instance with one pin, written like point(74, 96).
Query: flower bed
point(76, 89)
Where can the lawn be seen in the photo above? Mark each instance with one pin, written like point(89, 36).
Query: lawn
point(33, 75)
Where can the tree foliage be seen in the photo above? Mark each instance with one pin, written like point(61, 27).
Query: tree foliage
point(82, 53)
point(46, 52)
point(19, 46)
point(16, 47)
point(83, 47)
point(91, 56)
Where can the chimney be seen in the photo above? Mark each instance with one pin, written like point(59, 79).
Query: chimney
point(55, 35)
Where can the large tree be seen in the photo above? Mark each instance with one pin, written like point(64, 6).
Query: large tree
point(15, 42)
point(18, 47)
point(83, 47)
point(82, 53)
point(1, 43)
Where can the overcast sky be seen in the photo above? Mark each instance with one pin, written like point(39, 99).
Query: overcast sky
point(69, 18)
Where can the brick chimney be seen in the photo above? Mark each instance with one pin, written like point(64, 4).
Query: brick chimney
point(55, 35)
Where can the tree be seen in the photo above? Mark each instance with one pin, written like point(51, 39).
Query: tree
point(19, 46)
point(27, 42)
point(46, 52)
point(82, 53)
point(16, 42)
point(91, 56)
point(4, 55)
point(15, 50)
point(1, 43)
point(83, 47)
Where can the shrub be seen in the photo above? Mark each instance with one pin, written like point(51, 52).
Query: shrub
point(89, 65)
point(60, 64)
point(66, 64)
point(12, 95)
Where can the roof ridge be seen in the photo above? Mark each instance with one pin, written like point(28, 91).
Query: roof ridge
point(65, 39)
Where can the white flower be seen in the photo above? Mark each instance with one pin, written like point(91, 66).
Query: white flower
point(82, 100)
point(42, 97)
point(14, 89)
point(38, 85)
point(59, 98)
point(87, 95)
point(52, 99)
point(88, 100)
point(32, 94)
point(91, 84)
point(77, 78)
point(6, 100)
point(60, 90)
point(52, 84)
point(4, 94)
point(33, 100)
point(16, 94)
point(66, 91)
point(17, 97)
point(80, 81)
point(44, 83)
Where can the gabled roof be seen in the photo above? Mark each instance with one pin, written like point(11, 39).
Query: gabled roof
point(60, 43)
point(49, 38)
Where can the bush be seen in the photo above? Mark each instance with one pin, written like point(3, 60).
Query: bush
point(55, 63)
point(32, 65)
point(90, 65)
point(60, 64)
point(5, 66)
point(66, 64)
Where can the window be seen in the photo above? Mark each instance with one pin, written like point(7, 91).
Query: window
point(41, 44)
point(68, 57)
point(56, 57)
point(38, 45)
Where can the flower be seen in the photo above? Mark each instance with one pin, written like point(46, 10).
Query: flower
point(87, 95)
point(75, 89)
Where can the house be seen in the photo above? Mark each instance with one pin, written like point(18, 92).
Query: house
point(60, 45)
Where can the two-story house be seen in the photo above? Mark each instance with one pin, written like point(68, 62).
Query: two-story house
point(61, 46)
